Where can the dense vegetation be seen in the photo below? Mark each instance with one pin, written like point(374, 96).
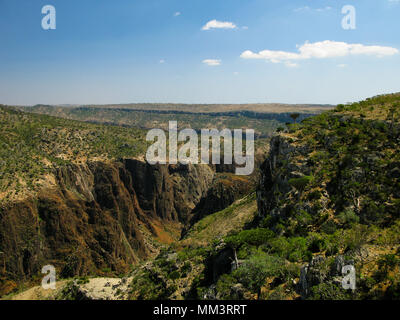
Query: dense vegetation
point(340, 200)
point(346, 202)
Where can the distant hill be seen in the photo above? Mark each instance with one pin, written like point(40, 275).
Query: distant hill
point(263, 118)
point(218, 108)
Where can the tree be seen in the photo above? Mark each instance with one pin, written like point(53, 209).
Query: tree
point(391, 116)
point(301, 183)
point(253, 272)
point(254, 237)
point(295, 116)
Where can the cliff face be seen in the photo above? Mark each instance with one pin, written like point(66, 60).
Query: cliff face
point(169, 192)
point(225, 190)
point(285, 161)
point(329, 188)
point(94, 216)
point(333, 164)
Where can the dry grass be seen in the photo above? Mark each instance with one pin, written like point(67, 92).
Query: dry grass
point(220, 224)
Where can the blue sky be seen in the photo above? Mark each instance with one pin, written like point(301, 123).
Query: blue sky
point(157, 51)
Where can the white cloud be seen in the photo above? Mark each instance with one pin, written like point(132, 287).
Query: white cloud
point(212, 62)
point(321, 50)
point(290, 64)
point(342, 65)
point(215, 24)
point(323, 9)
point(162, 61)
point(307, 8)
point(176, 14)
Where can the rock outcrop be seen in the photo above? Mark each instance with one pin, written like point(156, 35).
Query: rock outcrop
point(320, 271)
point(95, 217)
point(276, 171)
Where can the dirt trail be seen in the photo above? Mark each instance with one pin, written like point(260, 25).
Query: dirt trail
point(94, 289)
point(105, 289)
point(38, 293)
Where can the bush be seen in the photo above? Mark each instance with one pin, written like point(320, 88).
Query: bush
point(253, 237)
point(388, 262)
point(339, 108)
point(317, 243)
point(293, 249)
point(174, 275)
point(329, 227)
point(252, 273)
point(301, 183)
point(328, 291)
point(393, 292)
point(224, 287)
point(348, 217)
point(315, 195)
point(304, 218)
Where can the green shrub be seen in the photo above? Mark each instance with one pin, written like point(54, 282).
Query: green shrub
point(329, 227)
point(294, 249)
point(348, 217)
point(224, 287)
point(304, 218)
point(174, 275)
point(252, 237)
point(252, 273)
point(339, 108)
point(328, 291)
point(315, 195)
point(301, 183)
point(317, 243)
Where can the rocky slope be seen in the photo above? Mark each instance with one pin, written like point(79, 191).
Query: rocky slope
point(90, 220)
point(98, 213)
point(328, 196)
point(177, 272)
point(333, 182)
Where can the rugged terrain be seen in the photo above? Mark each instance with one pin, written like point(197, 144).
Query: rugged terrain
point(327, 197)
point(80, 197)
